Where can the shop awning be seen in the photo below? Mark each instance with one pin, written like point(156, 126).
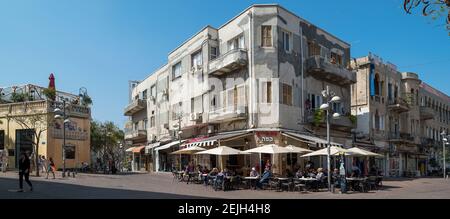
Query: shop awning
point(148, 148)
point(205, 142)
point(130, 149)
point(138, 149)
point(319, 142)
point(169, 145)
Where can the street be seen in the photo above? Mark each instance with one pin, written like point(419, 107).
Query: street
point(162, 186)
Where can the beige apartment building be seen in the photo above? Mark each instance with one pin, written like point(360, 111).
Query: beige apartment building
point(399, 116)
point(256, 80)
point(22, 118)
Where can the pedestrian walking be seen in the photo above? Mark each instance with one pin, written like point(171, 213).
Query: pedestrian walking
point(44, 164)
point(24, 171)
point(4, 160)
point(51, 168)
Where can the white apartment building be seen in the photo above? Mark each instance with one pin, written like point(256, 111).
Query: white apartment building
point(256, 80)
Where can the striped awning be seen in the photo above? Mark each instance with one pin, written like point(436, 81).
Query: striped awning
point(311, 140)
point(211, 141)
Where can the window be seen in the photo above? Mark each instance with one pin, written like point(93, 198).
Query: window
point(236, 43)
point(267, 92)
point(214, 53)
point(176, 70)
point(196, 58)
point(287, 94)
point(153, 91)
point(241, 101)
point(2, 139)
point(286, 41)
point(144, 94)
point(69, 152)
point(266, 36)
point(145, 124)
point(336, 58)
point(313, 49)
point(152, 119)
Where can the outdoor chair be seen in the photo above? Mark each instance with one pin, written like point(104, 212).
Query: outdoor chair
point(274, 183)
point(372, 183)
point(219, 183)
point(299, 185)
point(289, 185)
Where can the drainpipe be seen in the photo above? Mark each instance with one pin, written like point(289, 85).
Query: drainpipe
point(302, 106)
point(251, 75)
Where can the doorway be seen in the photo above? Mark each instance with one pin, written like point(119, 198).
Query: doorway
point(24, 143)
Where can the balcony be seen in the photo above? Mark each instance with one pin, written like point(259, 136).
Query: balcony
point(70, 134)
point(228, 62)
point(322, 69)
point(426, 113)
point(132, 135)
point(227, 114)
point(44, 106)
point(342, 122)
point(401, 137)
point(134, 107)
point(399, 105)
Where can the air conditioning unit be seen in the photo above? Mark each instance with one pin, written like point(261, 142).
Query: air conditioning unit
point(211, 129)
point(166, 125)
point(241, 110)
point(195, 116)
point(152, 98)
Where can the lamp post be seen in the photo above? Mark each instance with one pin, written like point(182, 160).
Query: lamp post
point(61, 114)
point(180, 132)
point(330, 98)
point(445, 138)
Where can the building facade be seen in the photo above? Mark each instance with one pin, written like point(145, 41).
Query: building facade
point(21, 119)
point(398, 115)
point(256, 80)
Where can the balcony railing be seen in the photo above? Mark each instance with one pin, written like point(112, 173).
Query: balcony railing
point(44, 106)
point(70, 134)
point(426, 113)
point(228, 62)
point(229, 113)
point(321, 68)
point(399, 104)
point(135, 106)
point(135, 134)
point(400, 137)
point(342, 122)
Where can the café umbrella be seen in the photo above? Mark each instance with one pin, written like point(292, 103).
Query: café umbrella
point(223, 151)
point(334, 151)
point(269, 149)
point(188, 151)
point(297, 150)
point(363, 153)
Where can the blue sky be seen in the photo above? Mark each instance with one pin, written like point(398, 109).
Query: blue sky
point(101, 44)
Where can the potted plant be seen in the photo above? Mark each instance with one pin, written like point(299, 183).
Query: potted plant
point(49, 93)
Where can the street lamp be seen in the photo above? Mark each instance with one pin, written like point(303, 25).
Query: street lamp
point(445, 138)
point(61, 115)
point(330, 98)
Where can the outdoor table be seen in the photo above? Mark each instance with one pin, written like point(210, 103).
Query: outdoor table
point(280, 181)
point(308, 181)
point(353, 180)
point(252, 180)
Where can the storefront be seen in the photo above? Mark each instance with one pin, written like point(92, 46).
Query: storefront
point(164, 161)
point(138, 158)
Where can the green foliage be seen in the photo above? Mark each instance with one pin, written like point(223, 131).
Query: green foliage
point(18, 97)
point(353, 119)
point(86, 100)
point(50, 93)
point(319, 116)
point(105, 136)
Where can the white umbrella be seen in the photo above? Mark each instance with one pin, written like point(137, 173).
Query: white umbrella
point(334, 151)
point(361, 152)
point(298, 150)
point(223, 150)
point(191, 150)
point(269, 149)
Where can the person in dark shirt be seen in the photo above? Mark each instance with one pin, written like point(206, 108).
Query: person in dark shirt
point(24, 171)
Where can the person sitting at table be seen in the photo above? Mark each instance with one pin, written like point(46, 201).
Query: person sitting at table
point(299, 173)
point(312, 174)
point(289, 174)
point(265, 178)
point(211, 175)
point(356, 172)
point(254, 173)
point(320, 175)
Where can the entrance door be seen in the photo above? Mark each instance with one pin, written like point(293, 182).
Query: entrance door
point(24, 143)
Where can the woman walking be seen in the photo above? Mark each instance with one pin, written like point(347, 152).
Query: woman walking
point(51, 167)
point(24, 171)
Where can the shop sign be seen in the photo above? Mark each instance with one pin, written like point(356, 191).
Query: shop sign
point(266, 137)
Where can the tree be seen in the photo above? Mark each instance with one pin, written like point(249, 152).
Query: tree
point(106, 139)
point(38, 123)
point(433, 8)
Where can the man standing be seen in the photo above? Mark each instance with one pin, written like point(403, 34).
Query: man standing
point(24, 171)
point(4, 160)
